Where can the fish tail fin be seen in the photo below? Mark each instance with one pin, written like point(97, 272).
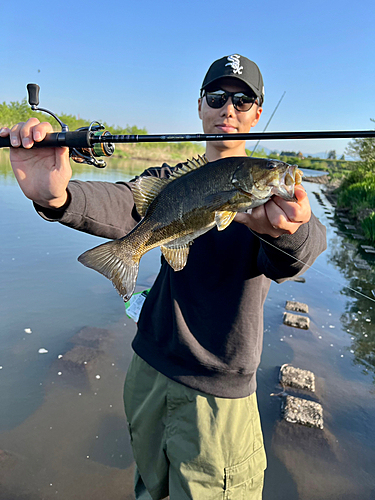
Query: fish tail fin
point(120, 267)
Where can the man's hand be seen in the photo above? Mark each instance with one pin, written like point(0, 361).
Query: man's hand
point(278, 216)
point(43, 174)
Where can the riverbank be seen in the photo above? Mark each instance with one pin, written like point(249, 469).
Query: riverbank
point(159, 152)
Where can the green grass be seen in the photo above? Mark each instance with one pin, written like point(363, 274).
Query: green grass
point(368, 225)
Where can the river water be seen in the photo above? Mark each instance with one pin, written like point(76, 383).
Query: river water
point(65, 348)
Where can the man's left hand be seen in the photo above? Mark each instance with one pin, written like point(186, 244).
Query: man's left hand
point(278, 216)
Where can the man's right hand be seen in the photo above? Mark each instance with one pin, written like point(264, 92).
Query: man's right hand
point(44, 173)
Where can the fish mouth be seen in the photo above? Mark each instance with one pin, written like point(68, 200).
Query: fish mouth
point(288, 180)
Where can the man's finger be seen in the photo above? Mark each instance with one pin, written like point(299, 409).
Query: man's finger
point(41, 130)
point(15, 135)
point(4, 132)
point(300, 193)
point(26, 132)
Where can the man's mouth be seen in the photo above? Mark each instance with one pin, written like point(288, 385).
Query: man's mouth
point(225, 128)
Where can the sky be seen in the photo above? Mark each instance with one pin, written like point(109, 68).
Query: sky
point(142, 63)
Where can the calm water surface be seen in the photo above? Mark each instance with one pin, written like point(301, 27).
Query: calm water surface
point(62, 426)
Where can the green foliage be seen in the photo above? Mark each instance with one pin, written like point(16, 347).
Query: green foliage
point(354, 177)
point(331, 155)
point(368, 225)
point(288, 153)
point(128, 130)
point(16, 112)
point(358, 195)
point(364, 149)
point(258, 153)
point(357, 191)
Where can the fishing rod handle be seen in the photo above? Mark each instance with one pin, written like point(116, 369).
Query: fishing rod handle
point(75, 139)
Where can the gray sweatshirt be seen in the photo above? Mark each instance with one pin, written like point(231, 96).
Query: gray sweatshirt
point(201, 326)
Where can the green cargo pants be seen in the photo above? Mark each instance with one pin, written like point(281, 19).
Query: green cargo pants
point(191, 445)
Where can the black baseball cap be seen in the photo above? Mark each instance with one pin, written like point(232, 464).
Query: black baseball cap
point(239, 67)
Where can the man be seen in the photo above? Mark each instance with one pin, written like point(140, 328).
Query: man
point(190, 389)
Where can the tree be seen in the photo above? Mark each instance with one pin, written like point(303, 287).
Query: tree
point(288, 153)
point(363, 148)
point(331, 155)
point(258, 153)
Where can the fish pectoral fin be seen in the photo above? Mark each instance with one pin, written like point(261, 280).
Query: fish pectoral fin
point(145, 189)
point(223, 219)
point(176, 255)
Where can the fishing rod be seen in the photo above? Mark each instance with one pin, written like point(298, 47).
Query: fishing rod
point(87, 144)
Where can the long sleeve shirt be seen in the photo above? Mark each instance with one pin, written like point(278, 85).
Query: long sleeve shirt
point(201, 326)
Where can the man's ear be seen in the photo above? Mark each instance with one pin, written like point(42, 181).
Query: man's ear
point(257, 116)
point(200, 107)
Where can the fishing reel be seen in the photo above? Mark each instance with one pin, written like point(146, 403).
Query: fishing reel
point(88, 155)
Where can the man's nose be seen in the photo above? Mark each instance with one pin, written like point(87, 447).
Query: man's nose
point(228, 108)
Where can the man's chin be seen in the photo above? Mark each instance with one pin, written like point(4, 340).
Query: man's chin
point(227, 144)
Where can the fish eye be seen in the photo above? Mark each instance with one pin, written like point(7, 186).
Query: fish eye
point(271, 165)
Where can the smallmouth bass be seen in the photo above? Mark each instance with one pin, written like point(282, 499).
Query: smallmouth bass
point(176, 210)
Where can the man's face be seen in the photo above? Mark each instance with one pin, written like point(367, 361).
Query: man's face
point(227, 120)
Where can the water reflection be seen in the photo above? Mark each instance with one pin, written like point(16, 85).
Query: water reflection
point(116, 169)
point(359, 316)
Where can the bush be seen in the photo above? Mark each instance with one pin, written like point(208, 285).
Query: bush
point(359, 195)
point(356, 176)
point(368, 225)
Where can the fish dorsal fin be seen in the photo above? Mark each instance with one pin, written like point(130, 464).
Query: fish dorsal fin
point(176, 256)
point(223, 219)
point(189, 166)
point(145, 189)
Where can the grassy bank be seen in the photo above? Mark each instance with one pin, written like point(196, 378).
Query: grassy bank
point(159, 152)
point(357, 195)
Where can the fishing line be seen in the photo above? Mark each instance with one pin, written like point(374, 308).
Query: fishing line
point(269, 121)
point(310, 266)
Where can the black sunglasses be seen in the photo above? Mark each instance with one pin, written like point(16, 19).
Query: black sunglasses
point(241, 101)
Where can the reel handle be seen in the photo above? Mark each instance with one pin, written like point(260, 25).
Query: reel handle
point(33, 93)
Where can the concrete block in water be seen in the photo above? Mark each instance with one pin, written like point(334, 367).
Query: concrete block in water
point(296, 321)
point(296, 377)
point(78, 359)
point(362, 264)
point(368, 248)
point(303, 411)
point(292, 305)
point(358, 236)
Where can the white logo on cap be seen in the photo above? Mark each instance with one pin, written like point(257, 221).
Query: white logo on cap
point(234, 61)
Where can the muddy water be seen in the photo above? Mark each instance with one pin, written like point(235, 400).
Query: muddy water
point(66, 346)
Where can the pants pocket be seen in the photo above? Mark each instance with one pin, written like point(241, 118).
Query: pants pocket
point(244, 481)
